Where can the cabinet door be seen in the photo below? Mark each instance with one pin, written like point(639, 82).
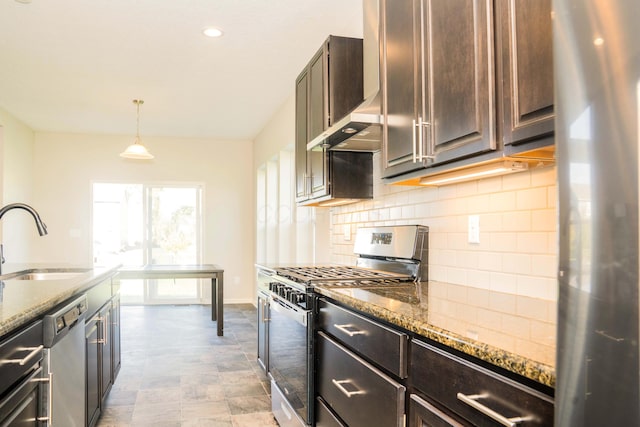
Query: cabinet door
point(318, 117)
point(401, 85)
point(93, 371)
point(263, 333)
point(424, 414)
point(526, 67)
point(106, 338)
point(115, 330)
point(301, 135)
point(457, 59)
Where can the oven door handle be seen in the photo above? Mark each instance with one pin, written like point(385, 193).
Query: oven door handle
point(290, 312)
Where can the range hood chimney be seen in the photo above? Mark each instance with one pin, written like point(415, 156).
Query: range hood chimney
point(361, 129)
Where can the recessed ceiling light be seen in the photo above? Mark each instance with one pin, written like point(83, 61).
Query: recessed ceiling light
point(212, 32)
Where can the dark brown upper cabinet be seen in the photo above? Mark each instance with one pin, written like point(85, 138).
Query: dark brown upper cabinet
point(438, 82)
point(525, 69)
point(464, 81)
point(329, 87)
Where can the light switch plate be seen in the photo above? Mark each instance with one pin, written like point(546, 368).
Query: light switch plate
point(474, 229)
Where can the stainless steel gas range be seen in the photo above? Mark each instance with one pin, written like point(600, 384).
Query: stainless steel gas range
point(287, 305)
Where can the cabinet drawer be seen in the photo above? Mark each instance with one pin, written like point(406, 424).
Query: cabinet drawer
point(19, 353)
point(324, 416)
point(382, 345)
point(360, 394)
point(473, 391)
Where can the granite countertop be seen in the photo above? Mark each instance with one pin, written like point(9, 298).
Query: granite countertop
point(22, 301)
point(511, 332)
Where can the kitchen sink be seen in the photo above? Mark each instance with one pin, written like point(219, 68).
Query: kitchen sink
point(49, 274)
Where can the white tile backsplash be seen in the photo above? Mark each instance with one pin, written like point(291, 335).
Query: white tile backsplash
point(517, 253)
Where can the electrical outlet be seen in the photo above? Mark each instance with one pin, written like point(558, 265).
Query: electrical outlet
point(474, 229)
point(346, 231)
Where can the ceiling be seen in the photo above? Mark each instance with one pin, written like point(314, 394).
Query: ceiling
point(76, 65)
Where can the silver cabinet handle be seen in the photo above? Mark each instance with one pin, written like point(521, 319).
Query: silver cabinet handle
point(49, 398)
point(105, 328)
point(344, 329)
point(344, 391)
point(265, 307)
point(472, 400)
point(420, 140)
point(34, 352)
point(413, 139)
point(418, 144)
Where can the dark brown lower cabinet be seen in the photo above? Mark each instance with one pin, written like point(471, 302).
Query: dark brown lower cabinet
point(360, 394)
point(102, 335)
point(482, 397)
point(424, 414)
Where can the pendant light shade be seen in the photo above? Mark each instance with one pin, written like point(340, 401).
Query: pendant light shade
point(137, 150)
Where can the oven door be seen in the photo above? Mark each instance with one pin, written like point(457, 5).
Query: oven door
point(291, 362)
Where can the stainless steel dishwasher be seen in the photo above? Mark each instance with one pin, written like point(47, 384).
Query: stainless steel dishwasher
point(64, 361)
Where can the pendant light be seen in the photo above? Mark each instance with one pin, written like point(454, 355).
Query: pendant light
point(137, 150)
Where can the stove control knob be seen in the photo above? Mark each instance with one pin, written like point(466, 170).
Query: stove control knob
point(282, 291)
point(297, 297)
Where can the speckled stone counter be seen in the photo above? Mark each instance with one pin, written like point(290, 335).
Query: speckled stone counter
point(511, 332)
point(22, 301)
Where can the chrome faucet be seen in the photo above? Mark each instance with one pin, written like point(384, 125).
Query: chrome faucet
point(42, 228)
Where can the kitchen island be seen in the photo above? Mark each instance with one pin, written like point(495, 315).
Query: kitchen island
point(22, 301)
point(474, 322)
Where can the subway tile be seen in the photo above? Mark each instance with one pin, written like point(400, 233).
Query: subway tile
point(503, 242)
point(516, 221)
point(457, 293)
point(538, 352)
point(457, 275)
point(480, 297)
point(543, 333)
point(533, 243)
point(532, 198)
point(466, 188)
point(478, 204)
point(514, 325)
point(516, 181)
point(516, 263)
point(536, 287)
point(490, 261)
point(490, 185)
point(544, 265)
point(468, 260)
point(544, 176)
point(479, 279)
point(503, 302)
point(544, 220)
point(503, 282)
point(534, 308)
point(552, 196)
point(504, 201)
point(408, 212)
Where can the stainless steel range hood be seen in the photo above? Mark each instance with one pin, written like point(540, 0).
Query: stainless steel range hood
point(361, 129)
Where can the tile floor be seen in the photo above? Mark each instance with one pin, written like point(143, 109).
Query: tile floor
point(177, 372)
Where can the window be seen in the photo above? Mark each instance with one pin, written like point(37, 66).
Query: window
point(137, 224)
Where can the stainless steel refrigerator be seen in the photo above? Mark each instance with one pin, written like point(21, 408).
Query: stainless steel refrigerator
point(597, 83)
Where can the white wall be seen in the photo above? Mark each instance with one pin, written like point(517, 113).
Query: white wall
point(17, 229)
point(65, 165)
point(286, 234)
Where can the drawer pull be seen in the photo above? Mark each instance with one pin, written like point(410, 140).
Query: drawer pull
point(472, 400)
point(346, 392)
point(350, 330)
point(34, 353)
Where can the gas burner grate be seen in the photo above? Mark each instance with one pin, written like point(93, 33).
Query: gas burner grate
point(336, 273)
